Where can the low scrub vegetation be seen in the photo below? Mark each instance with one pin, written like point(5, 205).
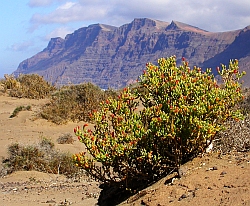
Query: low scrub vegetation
point(68, 103)
point(19, 109)
point(30, 86)
point(65, 139)
point(74, 103)
point(42, 157)
point(183, 109)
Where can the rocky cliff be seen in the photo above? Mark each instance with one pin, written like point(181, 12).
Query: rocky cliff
point(113, 57)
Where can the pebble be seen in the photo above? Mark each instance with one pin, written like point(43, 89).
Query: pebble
point(50, 201)
point(182, 197)
point(215, 168)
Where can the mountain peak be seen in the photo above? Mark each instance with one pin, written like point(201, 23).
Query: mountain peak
point(138, 23)
point(102, 26)
point(55, 44)
point(175, 25)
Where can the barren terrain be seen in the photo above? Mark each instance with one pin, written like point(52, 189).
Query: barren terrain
point(211, 179)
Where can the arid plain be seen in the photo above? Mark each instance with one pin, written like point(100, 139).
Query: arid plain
point(211, 179)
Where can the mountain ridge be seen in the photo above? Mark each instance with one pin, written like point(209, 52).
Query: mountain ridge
point(110, 56)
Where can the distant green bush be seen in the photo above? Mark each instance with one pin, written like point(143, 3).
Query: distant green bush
point(42, 157)
point(74, 103)
point(30, 86)
point(19, 109)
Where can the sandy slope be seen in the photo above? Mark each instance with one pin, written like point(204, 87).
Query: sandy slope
point(25, 130)
point(208, 180)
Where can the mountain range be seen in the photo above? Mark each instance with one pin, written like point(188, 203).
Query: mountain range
point(113, 57)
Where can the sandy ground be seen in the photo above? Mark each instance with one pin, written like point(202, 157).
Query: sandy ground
point(213, 179)
point(208, 180)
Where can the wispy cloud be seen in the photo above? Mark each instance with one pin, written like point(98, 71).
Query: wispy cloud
point(23, 46)
point(65, 6)
point(70, 12)
point(210, 15)
point(42, 3)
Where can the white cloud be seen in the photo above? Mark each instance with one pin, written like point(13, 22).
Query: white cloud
point(69, 12)
point(210, 15)
point(65, 6)
point(59, 32)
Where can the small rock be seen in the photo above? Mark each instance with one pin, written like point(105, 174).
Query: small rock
point(215, 168)
point(229, 186)
point(209, 148)
point(50, 201)
point(182, 171)
point(143, 203)
point(182, 197)
point(223, 173)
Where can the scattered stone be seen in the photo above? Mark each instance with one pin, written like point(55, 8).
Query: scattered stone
point(182, 171)
point(65, 203)
point(209, 148)
point(223, 173)
point(215, 168)
point(143, 203)
point(229, 186)
point(50, 201)
point(182, 197)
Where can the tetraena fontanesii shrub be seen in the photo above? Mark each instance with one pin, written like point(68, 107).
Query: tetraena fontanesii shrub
point(182, 109)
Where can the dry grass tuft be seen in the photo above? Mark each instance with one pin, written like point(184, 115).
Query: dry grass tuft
point(42, 157)
point(236, 136)
point(65, 139)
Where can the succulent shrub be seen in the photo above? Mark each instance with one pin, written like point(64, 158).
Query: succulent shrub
point(182, 110)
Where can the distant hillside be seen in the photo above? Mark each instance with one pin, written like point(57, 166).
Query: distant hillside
point(114, 57)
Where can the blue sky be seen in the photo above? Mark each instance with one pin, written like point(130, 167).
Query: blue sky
point(28, 25)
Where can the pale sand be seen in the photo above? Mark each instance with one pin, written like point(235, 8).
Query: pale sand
point(201, 185)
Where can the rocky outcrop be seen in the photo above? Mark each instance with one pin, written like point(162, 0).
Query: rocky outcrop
point(114, 57)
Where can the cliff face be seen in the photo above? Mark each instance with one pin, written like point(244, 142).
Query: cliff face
point(115, 56)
